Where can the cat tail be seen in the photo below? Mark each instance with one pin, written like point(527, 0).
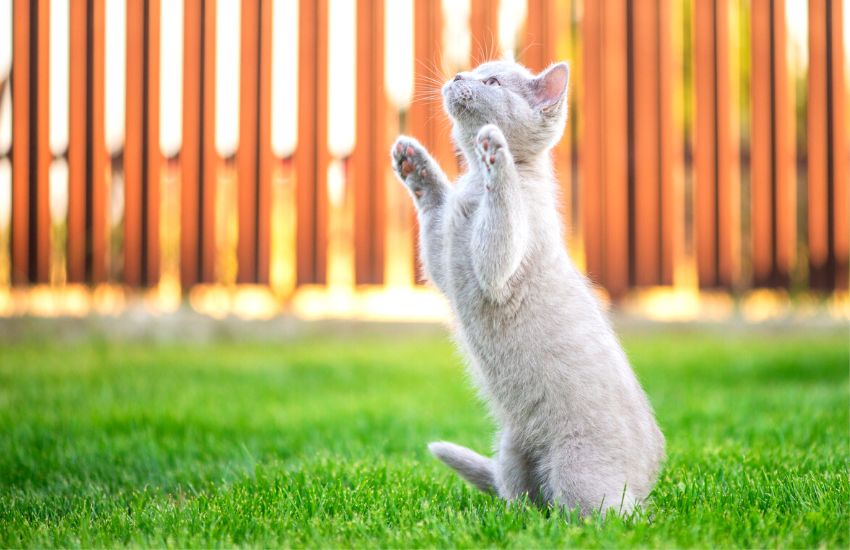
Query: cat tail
point(471, 466)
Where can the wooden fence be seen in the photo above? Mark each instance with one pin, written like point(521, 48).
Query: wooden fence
point(697, 151)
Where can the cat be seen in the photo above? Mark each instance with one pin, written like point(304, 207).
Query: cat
point(575, 427)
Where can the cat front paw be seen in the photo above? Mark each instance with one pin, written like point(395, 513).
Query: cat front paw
point(411, 164)
point(491, 148)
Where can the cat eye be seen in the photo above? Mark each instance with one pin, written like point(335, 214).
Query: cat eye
point(492, 81)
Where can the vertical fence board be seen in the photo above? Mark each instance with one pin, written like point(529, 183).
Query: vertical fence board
point(41, 184)
point(547, 26)
point(827, 142)
point(646, 154)
point(728, 172)
point(785, 152)
point(87, 213)
point(427, 120)
point(153, 154)
point(773, 192)
point(133, 144)
point(209, 160)
point(762, 173)
point(705, 151)
point(671, 144)
point(96, 208)
point(817, 139)
point(254, 154)
point(30, 257)
point(371, 148)
point(264, 155)
point(77, 146)
point(21, 139)
point(311, 156)
point(246, 156)
point(840, 148)
point(716, 156)
point(484, 28)
point(591, 145)
point(141, 145)
point(198, 157)
point(615, 128)
point(190, 151)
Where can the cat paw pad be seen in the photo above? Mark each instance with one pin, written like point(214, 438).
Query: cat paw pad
point(489, 146)
point(409, 157)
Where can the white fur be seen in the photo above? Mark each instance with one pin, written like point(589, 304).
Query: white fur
point(576, 428)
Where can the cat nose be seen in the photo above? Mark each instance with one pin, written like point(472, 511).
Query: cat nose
point(458, 77)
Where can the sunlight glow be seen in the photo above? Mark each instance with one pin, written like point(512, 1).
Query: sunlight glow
point(116, 46)
point(6, 121)
point(342, 76)
point(5, 193)
point(512, 14)
point(227, 52)
point(171, 77)
point(797, 19)
point(457, 38)
point(399, 64)
point(5, 43)
point(59, 59)
point(58, 195)
point(284, 125)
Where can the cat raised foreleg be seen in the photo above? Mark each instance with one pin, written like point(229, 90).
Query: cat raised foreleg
point(428, 186)
point(500, 234)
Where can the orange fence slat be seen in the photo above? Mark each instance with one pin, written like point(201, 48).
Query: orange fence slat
point(370, 153)
point(133, 143)
point(311, 155)
point(30, 258)
point(21, 138)
point(817, 139)
point(42, 142)
point(716, 203)
point(141, 145)
point(426, 119)
point(646, 109)
point(840, 146)
point(264, 155)
point(190, 151)
point(548, 25)
point(209, 160)
point(591, 148)
point(773, 191)
point(484, 28)
point(671, 161)
point(615, 143)
point(97, 195)
point(825, 134)
point(785, 151)
point(153, 155)
point(728, 171)
point(762, 173)
point(705, 151)
point(77, 146)
point(246, 156)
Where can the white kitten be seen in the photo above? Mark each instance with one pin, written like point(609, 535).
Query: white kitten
point(576, 428)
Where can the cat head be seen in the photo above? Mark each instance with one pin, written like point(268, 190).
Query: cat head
point(529, 109)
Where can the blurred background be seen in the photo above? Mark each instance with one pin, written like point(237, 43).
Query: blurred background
point(233, 156)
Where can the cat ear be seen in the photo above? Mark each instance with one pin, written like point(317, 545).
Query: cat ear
point(550, 86)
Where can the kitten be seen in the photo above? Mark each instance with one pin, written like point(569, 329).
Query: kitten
point(576, 428)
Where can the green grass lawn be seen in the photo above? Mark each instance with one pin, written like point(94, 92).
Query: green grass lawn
point(322, 443)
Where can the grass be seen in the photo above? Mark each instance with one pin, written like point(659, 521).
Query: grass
point(322, 443)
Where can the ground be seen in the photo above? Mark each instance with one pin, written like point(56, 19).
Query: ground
point(321, 442)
